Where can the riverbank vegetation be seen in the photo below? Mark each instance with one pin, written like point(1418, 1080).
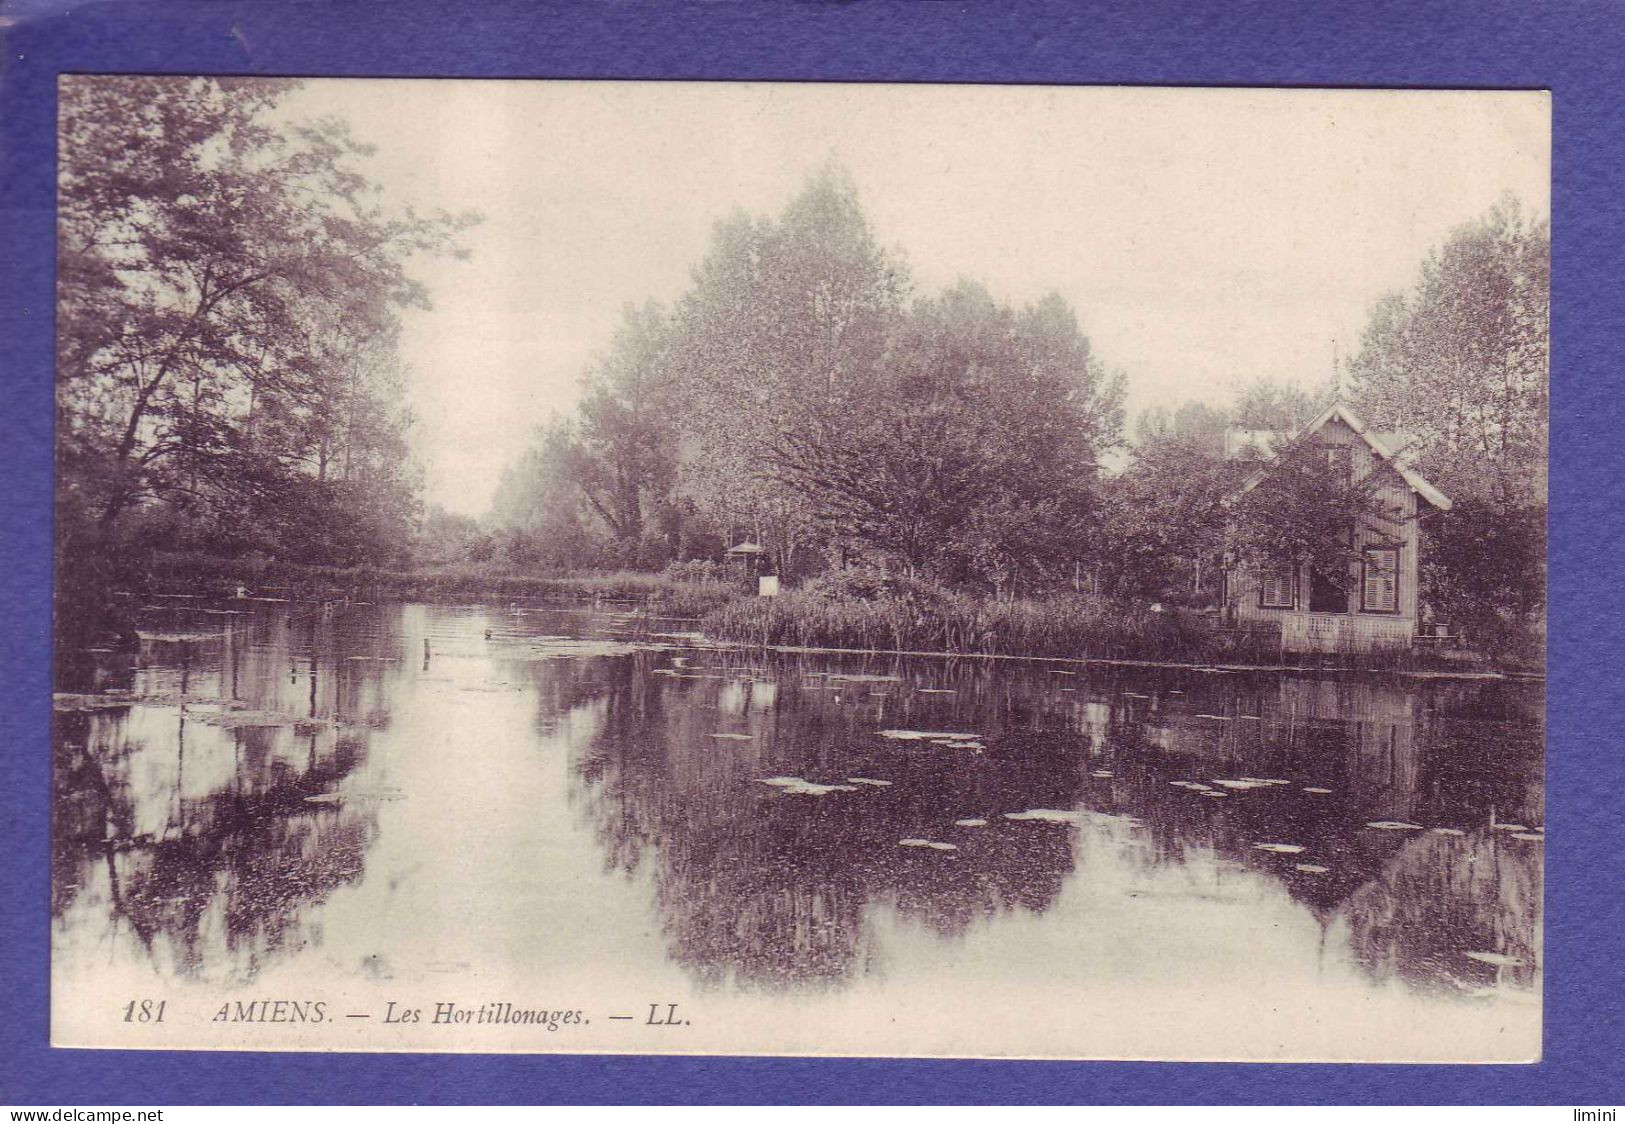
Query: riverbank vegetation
point(875, 613)
point(229, 299)
point(892, 615)
point(677, 592)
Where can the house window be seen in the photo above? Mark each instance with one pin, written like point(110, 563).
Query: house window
point(1275, 588)
point(1379, 588)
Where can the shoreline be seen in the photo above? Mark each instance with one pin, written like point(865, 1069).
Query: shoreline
point(579, 602)
point(1208, 668)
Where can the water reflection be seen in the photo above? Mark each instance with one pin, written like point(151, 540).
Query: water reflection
point(765, 884)
point(258, 762)
point(199, 802)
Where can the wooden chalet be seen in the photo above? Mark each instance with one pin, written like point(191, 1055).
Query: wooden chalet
point(1379, 608)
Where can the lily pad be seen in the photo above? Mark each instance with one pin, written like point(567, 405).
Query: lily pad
point(796, 786)
point(1311, 868)
point(1279, 848)
point(1045, 815)
point(1394, 825)
point(869, 780)
point(1498, 959)
point(970, 823)
point(935, 846)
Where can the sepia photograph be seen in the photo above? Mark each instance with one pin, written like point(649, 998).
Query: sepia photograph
point(803, 569)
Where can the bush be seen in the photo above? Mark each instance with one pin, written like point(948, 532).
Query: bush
point(864, 584)
point(697, 570)
point(1484, 574)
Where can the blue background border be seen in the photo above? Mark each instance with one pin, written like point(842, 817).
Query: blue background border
point(1576, 49)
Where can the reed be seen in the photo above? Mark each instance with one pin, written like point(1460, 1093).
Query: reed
point(932, 619)
point(1078, 627)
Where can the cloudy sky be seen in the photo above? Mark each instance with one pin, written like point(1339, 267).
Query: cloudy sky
point(1205, 237)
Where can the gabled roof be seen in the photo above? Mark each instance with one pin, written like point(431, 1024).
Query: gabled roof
point(1379, 444)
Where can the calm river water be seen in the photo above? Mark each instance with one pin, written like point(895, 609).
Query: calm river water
point(808, 852)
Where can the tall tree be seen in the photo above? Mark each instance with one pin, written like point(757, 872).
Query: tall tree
point(539, 514)
point(216, 268)
point(1285, 407)
point(972, 452)
point(785, 317)
point(1166, 514)
point(1304, 510)
point(623, 455)
point(1460, 360)
point(1168, 510)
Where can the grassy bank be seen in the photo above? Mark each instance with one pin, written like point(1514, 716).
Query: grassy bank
point(1075, 627)
point(191, 573)
point(1065, 627)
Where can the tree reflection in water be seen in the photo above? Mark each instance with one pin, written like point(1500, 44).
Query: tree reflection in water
point(759, 887)
point(205, 816)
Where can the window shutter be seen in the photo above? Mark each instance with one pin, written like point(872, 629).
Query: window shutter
point(1381, 581)
point(1275, 589)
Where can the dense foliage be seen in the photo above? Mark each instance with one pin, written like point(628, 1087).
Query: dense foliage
point(1171, 515)
point(1304, 510)
point(228, 299)
point(229, 303)
point(1461, 361)
point(796, 397)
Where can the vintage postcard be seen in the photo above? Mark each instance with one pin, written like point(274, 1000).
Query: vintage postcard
point(800, 569)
